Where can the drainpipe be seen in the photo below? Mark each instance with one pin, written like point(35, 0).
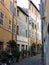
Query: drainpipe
point(28, 32)
point(36, 37)
point(12, 22)
point(14, 1)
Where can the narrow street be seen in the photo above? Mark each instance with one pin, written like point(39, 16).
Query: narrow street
point(36, 60)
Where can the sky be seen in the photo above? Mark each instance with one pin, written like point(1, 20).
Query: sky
point(24, 3)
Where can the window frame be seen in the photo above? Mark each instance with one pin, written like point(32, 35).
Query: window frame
point(14, 28)
point(10, 25)
point(32, 8)
point(17, 12)
point(17, 29)
point(3, 18)
point(26, 33)
point(3, 2)
point(33, 25)
point(26, 18)
point(29, 5)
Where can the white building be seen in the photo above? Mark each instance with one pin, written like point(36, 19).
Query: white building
point(22, 29)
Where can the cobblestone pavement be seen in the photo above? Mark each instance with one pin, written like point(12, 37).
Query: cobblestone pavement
point(36, 60)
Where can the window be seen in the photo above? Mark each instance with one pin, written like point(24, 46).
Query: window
point(2, 1)
point(18, 30)
point(32, 9)
point(1, 17)
point(10, 22)
point(26, 33)
point(10, 25)
point(32, 25)
point(26, 19)
point(17, 12)
point(12, 8)
point(37, 25)
point(29, 6)
point(14, 28)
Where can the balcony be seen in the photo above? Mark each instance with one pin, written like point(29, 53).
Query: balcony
point(22, 39)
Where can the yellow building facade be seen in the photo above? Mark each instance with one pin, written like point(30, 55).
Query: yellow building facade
point(35, 23)
point(7, 22)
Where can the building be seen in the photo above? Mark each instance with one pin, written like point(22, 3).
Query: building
point(16, 25)
point(34, 25)
point(46, 22)
point(22, 29)
point(45, 33)
point(7, 22)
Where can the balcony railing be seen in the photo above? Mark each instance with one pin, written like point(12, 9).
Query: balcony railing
point(21, 38)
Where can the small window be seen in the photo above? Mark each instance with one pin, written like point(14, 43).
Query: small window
point(10, 24)
point(14, 28)
point(18, 30)
point(9, 27)
point(37, 25)
point(29, 6)
point(1, 17)
point(26, 19)
point(17, 12)
point(3, 1)
point(26, 33)
point(32, 9)
point(33, 25)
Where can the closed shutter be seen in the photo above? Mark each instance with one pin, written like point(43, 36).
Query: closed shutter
point(12, 8)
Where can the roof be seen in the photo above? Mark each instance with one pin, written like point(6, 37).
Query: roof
point(34, 6)
point(23, 10)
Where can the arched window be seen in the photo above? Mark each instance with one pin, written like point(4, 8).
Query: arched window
point(17, 29)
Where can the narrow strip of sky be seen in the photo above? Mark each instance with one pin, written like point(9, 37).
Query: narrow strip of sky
point(24, 3)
